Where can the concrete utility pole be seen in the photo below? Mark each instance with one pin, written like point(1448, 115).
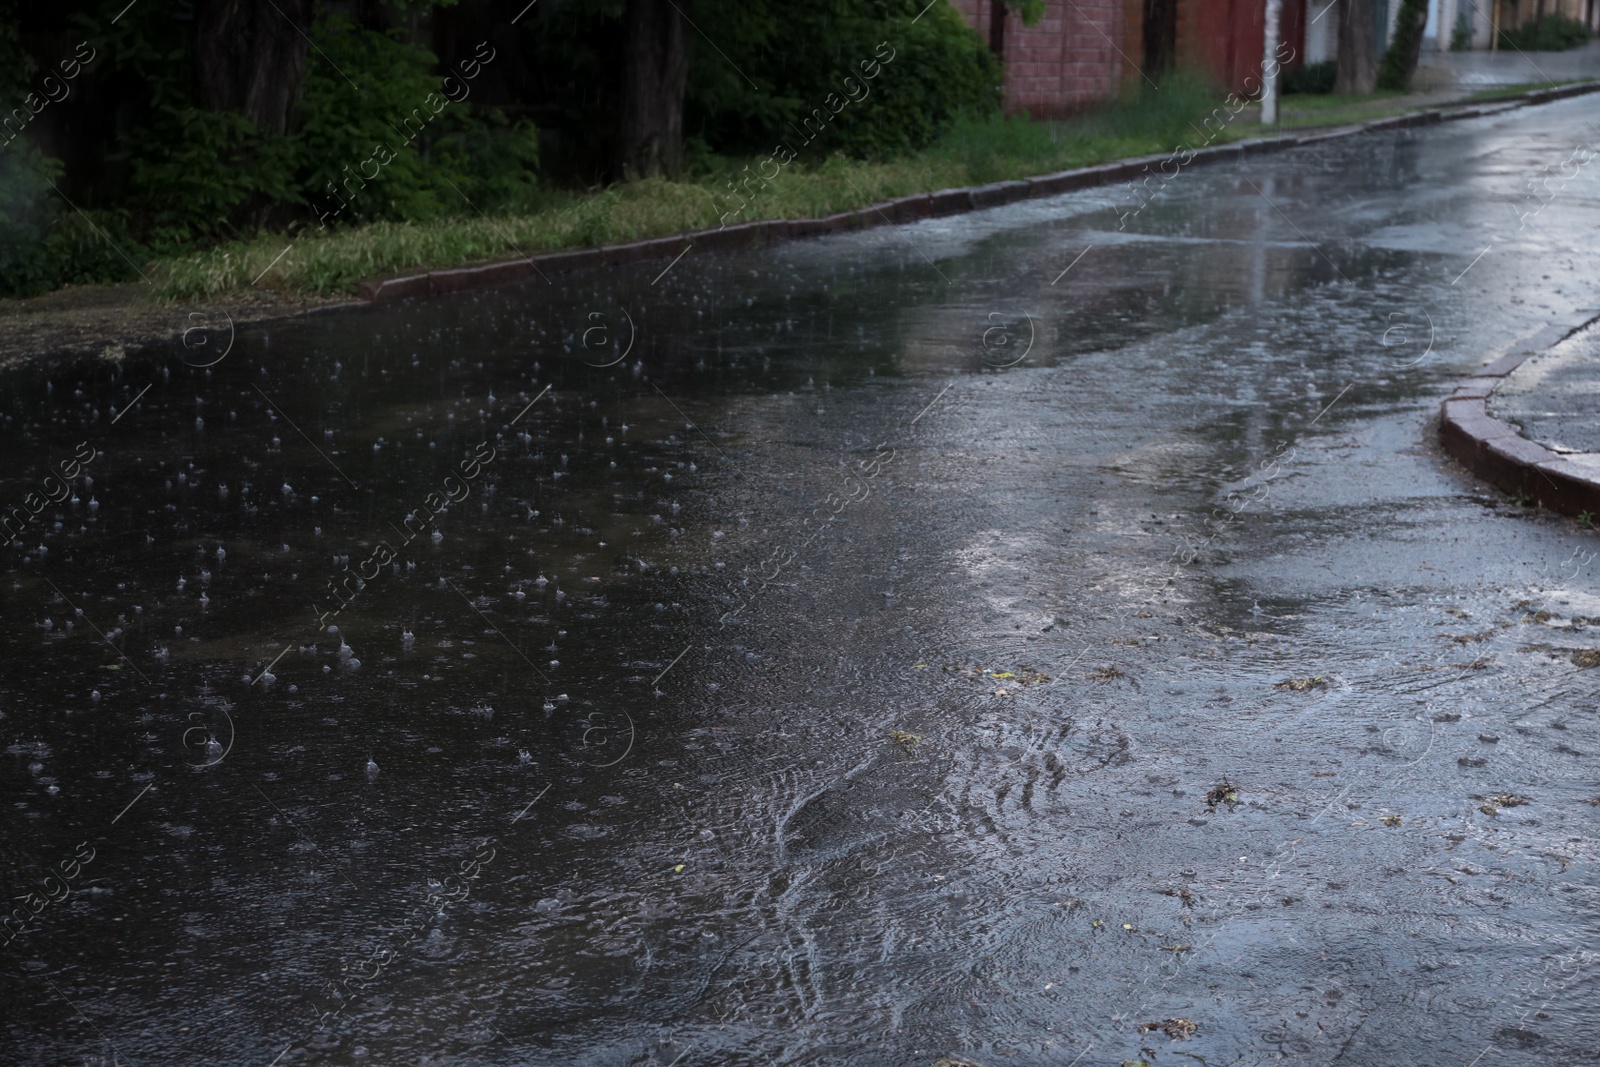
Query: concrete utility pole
point(1269, 64)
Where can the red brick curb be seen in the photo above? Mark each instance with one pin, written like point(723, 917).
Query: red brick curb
point(900, 210)
point(1497, 452)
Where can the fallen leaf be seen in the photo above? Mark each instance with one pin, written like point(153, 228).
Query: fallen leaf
point(1300, 685)
point(1173, 1028)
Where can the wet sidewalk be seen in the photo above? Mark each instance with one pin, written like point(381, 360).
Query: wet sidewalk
point(1467, 72)
point(1530, 421)
point(1554, 398)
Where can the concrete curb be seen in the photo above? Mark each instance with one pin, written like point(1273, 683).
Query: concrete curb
point(1497, 452)
point(902, 209)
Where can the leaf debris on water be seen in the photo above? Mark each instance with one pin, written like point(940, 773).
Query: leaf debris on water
point(1492, 804)
point(1301, 685)
point(1173, 1028)
point(1225, 793)
point(904, 739)
point(1023, 675)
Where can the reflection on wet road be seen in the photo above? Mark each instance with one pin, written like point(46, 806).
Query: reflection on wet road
point(856, 653)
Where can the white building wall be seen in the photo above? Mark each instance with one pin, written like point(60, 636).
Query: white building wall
point(1322, 31)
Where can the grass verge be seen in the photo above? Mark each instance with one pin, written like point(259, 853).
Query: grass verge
point(974, 153)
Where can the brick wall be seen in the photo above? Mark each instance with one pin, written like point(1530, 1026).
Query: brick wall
point(1068, 58)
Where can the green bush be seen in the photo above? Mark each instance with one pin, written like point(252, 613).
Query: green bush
point(1461, 36)
point(197, 177)
point(1400, 60)
point(209, 174)
point(44, 242)
point(342, 129)
point(943, 71)
point(799, 52)
point(1553, 33)
point(1313, 78)
point(394, 148)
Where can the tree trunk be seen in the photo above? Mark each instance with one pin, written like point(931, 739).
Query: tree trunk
point(1358, 35)
point(250, 57)
point(655, 73)
point(997, 29)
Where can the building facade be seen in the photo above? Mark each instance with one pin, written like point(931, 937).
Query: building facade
point(1084, 51)
point(1079, 52)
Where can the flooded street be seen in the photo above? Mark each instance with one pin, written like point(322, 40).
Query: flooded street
point(856, 652)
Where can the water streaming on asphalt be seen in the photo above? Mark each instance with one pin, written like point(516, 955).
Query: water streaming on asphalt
point(875, 628)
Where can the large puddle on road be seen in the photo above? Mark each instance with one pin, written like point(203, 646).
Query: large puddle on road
point(857, 653)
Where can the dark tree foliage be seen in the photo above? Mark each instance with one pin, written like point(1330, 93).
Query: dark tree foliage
point(1400, 61)
point(250, 58)
point(763, 65)
point(192, 123)
point(798, 52)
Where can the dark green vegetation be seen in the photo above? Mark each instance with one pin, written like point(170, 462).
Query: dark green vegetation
point(180, 130)
point(1314, 78)
point(711, 190)
point(1400, 60)
point(306, 145)
point(1552, 33)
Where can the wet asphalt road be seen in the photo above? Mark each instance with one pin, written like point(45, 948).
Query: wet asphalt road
point(904, 649)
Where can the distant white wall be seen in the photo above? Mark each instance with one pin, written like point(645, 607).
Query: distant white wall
point(1322, 31)
point(1441, 23)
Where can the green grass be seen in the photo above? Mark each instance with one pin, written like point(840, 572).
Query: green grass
point(1502, 91)
point(1340, 109)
